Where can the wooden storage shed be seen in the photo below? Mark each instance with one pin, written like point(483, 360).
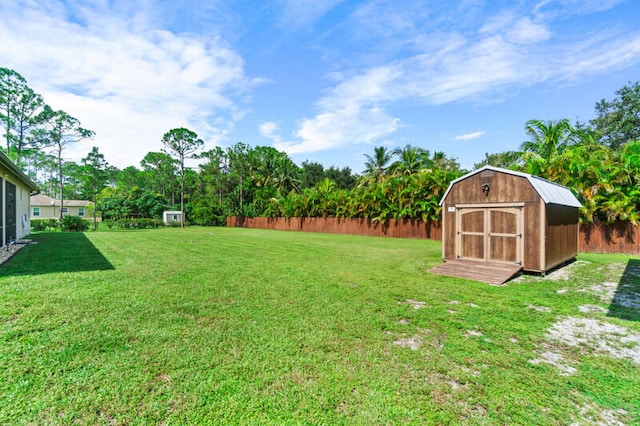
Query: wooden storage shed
point(507, 219)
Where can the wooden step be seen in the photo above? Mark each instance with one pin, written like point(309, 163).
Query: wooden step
point(488, 272)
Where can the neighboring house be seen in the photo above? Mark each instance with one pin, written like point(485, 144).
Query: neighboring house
point(44, 207)
point(15, 189)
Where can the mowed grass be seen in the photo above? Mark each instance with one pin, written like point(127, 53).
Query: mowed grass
point(237, 326)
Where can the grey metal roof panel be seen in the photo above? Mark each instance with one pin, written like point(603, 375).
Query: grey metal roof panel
point(553, 193)
point(550, 192)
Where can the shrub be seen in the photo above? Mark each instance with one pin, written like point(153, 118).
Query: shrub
point(44, 224)
point(74, 224)
point(37, 224)
point(144, 223)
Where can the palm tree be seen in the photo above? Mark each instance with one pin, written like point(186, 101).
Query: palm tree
point(285, 176)
point(411, 160)
point(376, 166)
point(548, 138)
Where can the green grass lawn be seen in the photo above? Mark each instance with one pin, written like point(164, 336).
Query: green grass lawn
point(224, 326)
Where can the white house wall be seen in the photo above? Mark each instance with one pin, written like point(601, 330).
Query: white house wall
point(23, 224)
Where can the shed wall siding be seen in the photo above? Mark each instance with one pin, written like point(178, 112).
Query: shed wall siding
point(562, 232)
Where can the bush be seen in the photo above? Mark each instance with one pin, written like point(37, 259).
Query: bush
point(144, 223)
point(74, 224)
point(44, 224)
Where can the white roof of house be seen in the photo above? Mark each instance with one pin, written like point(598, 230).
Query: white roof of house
point(550, 192)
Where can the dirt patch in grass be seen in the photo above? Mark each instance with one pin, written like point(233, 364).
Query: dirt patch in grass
point(415, 304)
point(539, 308)
point(591, 414)
point(591, 309)
point(598, 336)
point(414, 343)
point(606, 290)
point(564, 273)
point(555, 359)
point(473, 333)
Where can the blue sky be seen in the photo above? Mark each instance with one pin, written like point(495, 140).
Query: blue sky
point(323, 80)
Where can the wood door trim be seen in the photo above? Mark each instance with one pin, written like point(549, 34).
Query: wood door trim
point(484, 206)
point(487, 209)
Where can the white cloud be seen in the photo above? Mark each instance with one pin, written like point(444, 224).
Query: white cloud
point(571, 7)
point(469, 136)
point(332, 129)
point(598, 54)
point(270, 130)
point(524, 32)
point(127, 82)
point(507, 51)
point(349, 114)
point(300, 13)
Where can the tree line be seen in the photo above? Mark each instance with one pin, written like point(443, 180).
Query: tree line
point(599, 160)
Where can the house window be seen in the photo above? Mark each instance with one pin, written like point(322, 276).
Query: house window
point(65, 210)
point(36, 212)
point(81, 211)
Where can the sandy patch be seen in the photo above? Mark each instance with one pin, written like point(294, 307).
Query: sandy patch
point(415, 304)
point(627, 300)
point(556, 360)
point(606, 290)
point(414, 343)
point(539, 308)
point(591, 414)
point(591, 309)
point(565, 272)
point(446, 381)
point(602, 337)
point(623, 294)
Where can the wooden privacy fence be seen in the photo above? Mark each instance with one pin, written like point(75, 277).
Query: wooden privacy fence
point(621, 237)
point(402, 228)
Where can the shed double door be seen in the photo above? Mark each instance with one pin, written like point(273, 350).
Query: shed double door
point(492, 234)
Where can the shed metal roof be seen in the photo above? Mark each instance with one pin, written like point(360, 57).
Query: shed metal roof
point(550, 192)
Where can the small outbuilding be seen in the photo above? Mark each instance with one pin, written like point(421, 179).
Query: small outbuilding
point(169, 216)
point(510, 219)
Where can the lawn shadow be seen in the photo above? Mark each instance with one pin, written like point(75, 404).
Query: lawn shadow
point(53, 252)
point(626, 301)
